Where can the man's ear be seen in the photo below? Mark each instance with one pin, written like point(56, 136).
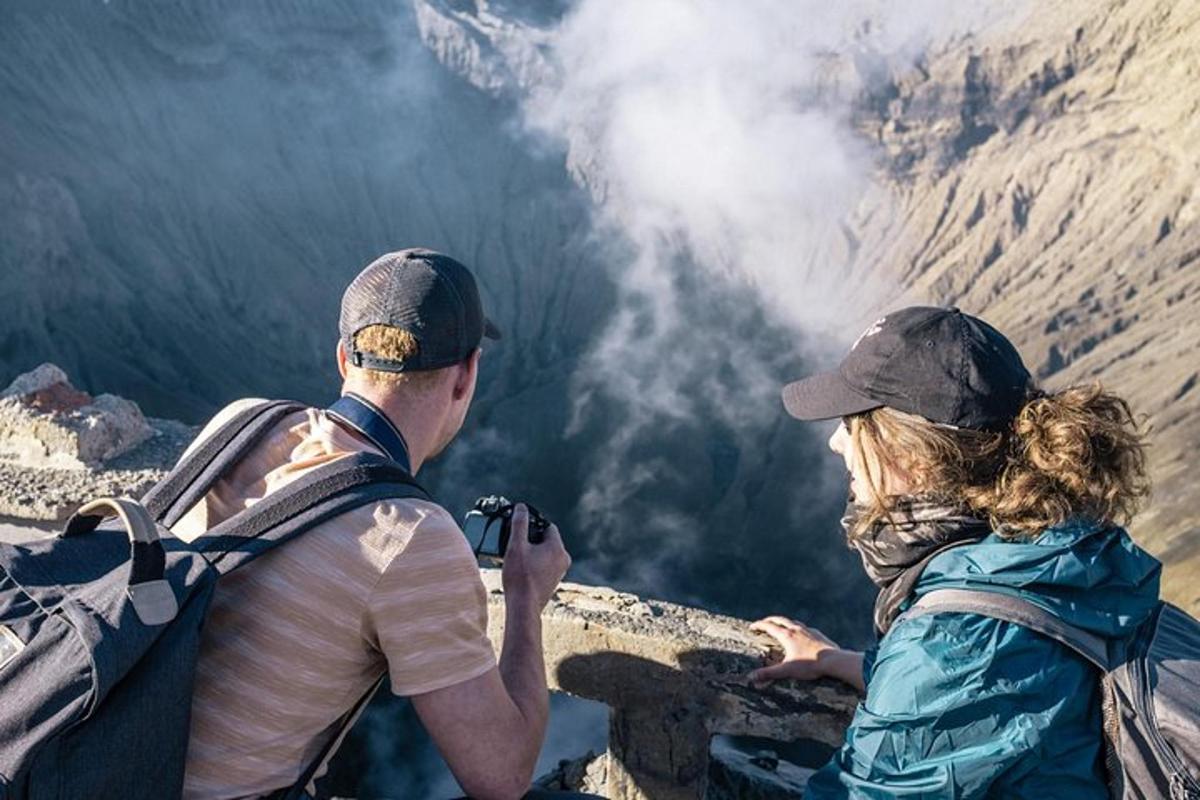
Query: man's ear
point(341, 358)
point(468, 371)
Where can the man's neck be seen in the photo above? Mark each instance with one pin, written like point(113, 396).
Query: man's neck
point(417, 422)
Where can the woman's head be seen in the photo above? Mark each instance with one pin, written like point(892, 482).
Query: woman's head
point(1077, 452)
point(1025, 460)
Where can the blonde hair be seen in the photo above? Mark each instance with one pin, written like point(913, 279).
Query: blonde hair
point(1078, 452)
point(391, 343)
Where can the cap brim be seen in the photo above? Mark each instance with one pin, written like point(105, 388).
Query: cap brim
point(825, 396)
point(490, 330)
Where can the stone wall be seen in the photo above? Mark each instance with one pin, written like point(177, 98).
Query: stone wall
point(674, 678)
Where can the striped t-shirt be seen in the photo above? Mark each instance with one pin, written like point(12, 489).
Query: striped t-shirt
point(297, 636)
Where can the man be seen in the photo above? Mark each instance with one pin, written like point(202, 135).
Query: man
point(298, 636)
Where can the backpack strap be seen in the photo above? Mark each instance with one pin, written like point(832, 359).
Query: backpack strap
point(169, 499)
point(297, 790)
point(152, 597)
point(320, 495)
point(1018, 611)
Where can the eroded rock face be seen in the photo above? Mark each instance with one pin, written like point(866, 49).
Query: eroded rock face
point(494, 50)
point(588, 773)
point(47, 388)
point(47, 422)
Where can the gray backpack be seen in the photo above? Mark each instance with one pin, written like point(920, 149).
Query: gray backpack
point(100, 625)
point(1150, 683)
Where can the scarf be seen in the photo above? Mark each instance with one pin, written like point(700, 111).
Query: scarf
point(895, 553)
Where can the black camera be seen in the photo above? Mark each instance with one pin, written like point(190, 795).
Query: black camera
point(488, 526)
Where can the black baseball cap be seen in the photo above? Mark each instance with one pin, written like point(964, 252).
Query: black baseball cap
point(938, 363)
point(426, 293)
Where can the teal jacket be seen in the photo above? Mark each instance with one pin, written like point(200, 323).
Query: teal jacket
point(963, 706)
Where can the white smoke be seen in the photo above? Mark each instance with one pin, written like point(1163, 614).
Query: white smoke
point(719, 142)
point(728, 150)
point(693, 124)
point(723, 130)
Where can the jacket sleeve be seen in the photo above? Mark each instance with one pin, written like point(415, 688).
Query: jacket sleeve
point(957, 707)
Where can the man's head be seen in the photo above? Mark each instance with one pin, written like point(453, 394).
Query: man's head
point(410, 330)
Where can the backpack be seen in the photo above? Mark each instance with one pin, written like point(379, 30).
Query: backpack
point(100, 625)
point(1150, 686)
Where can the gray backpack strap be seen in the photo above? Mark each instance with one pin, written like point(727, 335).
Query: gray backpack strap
point(297, 790)
point(195, 474)
point(323, 493)
point(1017, 611)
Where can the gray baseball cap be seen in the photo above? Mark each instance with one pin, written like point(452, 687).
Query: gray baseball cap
point(426, 293)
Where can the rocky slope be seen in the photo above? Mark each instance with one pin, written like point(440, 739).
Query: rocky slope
point(185, 190)
point(1046, 177)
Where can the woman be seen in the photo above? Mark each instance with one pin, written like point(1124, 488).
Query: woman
point(964, 475)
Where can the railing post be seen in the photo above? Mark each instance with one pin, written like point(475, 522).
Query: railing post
point(652, 756)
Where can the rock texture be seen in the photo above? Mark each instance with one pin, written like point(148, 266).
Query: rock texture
point(673, 677)
point(588, 773)
point(47, 422)
point(60, 447)
point(495, 50)
point(756, 773)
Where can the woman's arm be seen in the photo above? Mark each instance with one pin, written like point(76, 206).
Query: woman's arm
point(808, 654)
point(963, 707)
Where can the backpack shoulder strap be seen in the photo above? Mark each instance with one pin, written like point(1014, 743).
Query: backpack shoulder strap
point(1018, 611)
point(196, 472)
point(320, 495)
point(342, 728)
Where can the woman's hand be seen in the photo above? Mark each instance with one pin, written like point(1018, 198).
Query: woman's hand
point(808, 654)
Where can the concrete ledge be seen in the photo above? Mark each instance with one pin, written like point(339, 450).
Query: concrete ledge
point(673, 677)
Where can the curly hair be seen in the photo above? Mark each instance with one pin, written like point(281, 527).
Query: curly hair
point(1075, 453)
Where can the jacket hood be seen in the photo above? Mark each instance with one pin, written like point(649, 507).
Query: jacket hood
point(1090, 575)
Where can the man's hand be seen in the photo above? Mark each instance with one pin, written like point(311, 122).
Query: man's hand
point(490, 729)
point(808, 654)
point(532, 572)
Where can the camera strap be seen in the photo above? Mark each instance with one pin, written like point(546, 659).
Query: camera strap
point(366, 419)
